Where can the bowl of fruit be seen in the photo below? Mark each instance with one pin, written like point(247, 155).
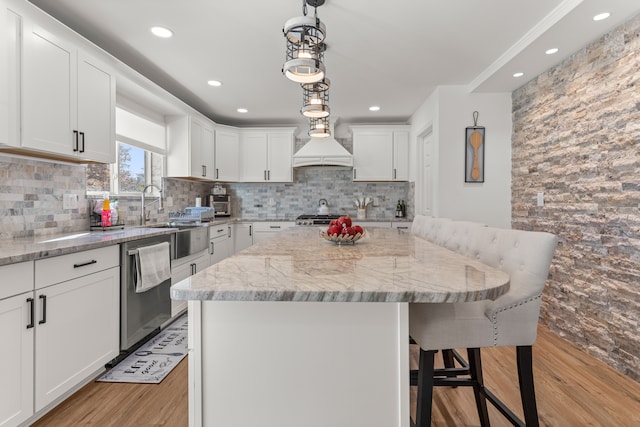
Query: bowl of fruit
point(342, 231)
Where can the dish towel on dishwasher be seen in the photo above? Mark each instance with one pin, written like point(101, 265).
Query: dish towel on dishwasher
point(153, 266)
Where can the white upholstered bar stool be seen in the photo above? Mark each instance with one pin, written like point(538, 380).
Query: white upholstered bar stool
point(511, 320)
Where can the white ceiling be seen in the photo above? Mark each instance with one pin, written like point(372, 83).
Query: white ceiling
point(388, 53)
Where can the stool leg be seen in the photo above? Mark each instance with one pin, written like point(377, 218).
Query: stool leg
point(527, 391)
point(447, 357)
point(475, 368)
point(425, 388)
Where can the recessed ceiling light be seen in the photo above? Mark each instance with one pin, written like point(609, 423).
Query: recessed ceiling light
point(242, 110)
point(215, 83)
point(374, 108)
point(162, 32)
point(601, 16)
point(519, 74)
point(551, 51)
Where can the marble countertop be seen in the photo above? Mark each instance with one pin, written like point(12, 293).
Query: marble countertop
point(386, 265)
point(31, 248)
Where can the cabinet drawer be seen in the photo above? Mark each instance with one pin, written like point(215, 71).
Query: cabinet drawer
point(16, 279)
point(218, 231)
point(272, 226)
point(58, 269)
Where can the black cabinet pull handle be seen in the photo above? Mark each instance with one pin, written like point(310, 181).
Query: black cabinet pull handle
point(217, 173)
point(274, 226)
point(82, 137)
point(251, 230)
point(31, 313)
point(44, 309)
point(268, 175)
point(229, 228)
point(75, 140)
point(93, 261)
point(204, 170)
point(212, 251)
point(354, 173)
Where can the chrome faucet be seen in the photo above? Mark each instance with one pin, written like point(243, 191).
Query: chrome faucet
point(143, 216)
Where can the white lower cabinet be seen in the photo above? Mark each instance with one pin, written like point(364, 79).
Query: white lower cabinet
point(267, 229)
point(404, 225)
point(16, 369)
point(59, 322)
point(219, 242)
point(76, 332)
point(183, 268)
point(242, 235)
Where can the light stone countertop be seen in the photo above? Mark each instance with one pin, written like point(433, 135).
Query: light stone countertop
point(31, 248)
point(386, 265)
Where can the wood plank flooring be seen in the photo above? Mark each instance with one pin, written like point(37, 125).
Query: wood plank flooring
point(573, 389)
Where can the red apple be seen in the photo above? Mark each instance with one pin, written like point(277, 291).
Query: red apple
point(334, 229)
point(344, 221)
point(358, 229)
point(348, 231)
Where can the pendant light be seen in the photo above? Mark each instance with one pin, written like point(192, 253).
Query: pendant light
point(305, 47)
point(319, 127)
point(315, 99)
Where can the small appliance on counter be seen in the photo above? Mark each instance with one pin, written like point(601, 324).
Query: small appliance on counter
point(221, 204)
point(218, 190)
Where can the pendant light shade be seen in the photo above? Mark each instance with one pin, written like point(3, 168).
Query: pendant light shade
point(315, 99)
point(305, 49)
point(319, 127)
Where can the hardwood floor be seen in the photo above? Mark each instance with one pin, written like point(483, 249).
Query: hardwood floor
point(572, 388)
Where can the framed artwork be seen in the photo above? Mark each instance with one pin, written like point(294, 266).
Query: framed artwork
point(474, 152)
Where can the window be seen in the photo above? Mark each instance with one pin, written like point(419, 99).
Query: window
point(140, 158)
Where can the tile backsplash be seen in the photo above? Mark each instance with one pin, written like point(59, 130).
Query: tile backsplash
point(32, 193)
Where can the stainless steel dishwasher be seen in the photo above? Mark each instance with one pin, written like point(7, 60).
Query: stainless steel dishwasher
point(141, 314)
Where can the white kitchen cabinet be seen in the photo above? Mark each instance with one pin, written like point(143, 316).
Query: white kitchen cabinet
point(68, 98)
point(401, 225)
point(227, 154)
point(9, 77)
point(380, 153)
point(267, 155)
point(77, 320)
point(242, 234)
point(220, 240)
point(264, 230)
point(185, 267)
point(191, 148)
point(17, 331)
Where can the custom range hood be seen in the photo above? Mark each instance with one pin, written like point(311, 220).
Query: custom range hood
point(323, 152)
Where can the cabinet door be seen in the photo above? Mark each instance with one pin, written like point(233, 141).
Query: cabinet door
point(77, 332)
point(219, 249)
point(16, 369)
point(372, 155)
point(49, 92)
point(280, 157)
point(198, 166)
point(400, 156)
point(96, 110)
point(9, 77)
point(242, 237)
point(227, 156)
point(208, 146)
point(254, 157)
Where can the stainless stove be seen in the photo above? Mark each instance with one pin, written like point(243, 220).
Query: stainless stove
point(315, 219)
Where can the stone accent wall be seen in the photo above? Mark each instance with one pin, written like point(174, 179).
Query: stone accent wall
point(576, 137)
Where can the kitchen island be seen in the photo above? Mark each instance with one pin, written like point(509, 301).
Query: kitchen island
point(299, 331)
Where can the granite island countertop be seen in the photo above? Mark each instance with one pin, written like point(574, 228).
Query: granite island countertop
point(386, 265)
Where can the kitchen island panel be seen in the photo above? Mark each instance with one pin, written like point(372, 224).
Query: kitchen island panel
point(311, 364)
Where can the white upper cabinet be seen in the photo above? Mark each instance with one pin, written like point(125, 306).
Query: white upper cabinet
point(68, 98)
point(227, 154)
point(190, 148)
point(267, 155)
point(9, 77)
point(380, 153)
